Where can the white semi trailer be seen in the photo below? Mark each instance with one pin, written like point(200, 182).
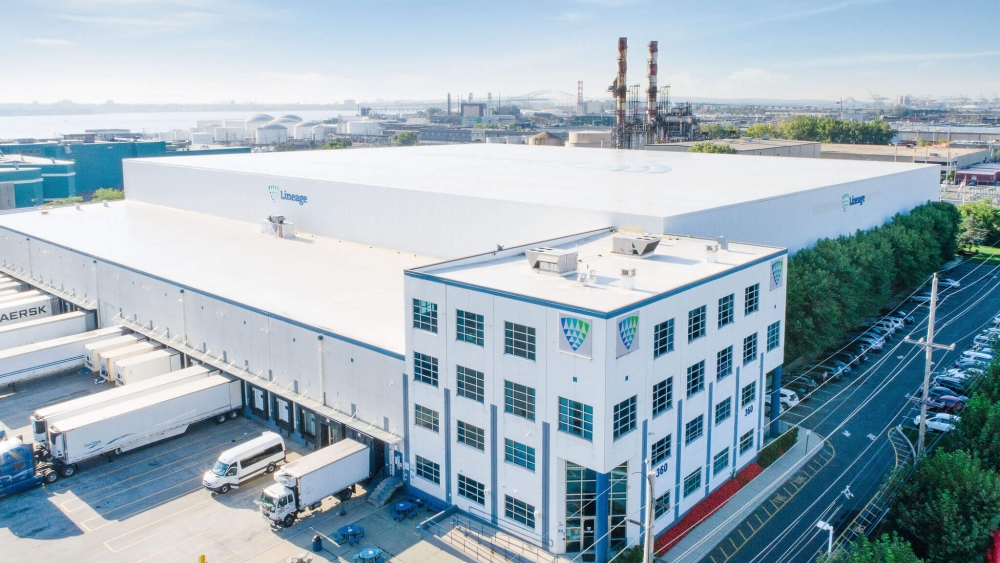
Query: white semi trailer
point(29, 308)
point(41, 418)
point(109, 357)
point(142, 367)
point(50, 356)
point(15, 295)
point(47, 328)
point(305, 482)
point(125, 425)
point(11, 284)
point(93, 352)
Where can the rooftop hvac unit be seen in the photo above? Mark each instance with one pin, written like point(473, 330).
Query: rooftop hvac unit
point(552, 260)
point(276, 226)
point(635, 245)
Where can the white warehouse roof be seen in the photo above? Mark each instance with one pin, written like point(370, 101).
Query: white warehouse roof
point(460, 200)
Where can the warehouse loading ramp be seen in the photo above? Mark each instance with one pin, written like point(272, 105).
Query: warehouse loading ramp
point(273, 386)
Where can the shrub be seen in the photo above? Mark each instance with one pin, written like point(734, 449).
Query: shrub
point(771, 452)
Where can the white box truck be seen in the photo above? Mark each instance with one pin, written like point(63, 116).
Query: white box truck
point(47, 328)
point(305, 482)
point(41, 418)
point(50, 356)
point(108, 358)
point(92, 361)
point(137, 368)
point(126, 425)
point(20, 310)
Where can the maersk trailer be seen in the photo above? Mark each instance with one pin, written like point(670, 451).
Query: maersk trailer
point(47, 328)
point(142, 367)
point(50, 356)
point(41, 418)
point(92, 361)
point(109, 358)
point(130, 424)
point(30, 308)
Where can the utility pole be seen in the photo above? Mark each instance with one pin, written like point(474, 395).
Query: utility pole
point(929, 347)
point(647, 556)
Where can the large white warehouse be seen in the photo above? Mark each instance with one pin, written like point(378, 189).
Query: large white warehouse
point(506, 325)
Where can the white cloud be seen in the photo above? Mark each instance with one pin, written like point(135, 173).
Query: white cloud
point(885, 58)
point(47, 41)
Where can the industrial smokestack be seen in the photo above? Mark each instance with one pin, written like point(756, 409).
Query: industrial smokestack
point(619, 88)
point(652, 93)
point(449, 103)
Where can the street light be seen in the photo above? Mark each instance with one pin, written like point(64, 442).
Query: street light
point(829, 543)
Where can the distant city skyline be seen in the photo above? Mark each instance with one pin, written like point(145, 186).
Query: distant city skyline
point(199, 51)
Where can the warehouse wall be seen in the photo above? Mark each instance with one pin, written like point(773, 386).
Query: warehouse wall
point(797, 221)
point(357, 380)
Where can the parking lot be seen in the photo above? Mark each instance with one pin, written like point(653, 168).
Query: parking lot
point(150, 505)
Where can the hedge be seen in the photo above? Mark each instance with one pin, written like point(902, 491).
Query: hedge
point(838, 283)
point(771, 452)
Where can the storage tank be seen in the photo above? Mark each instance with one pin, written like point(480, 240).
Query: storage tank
point(228, 134)
point(364, 128)
point(237, 123)
point(168, 136)
point(271, 133)
point(256, 121)
point(307, 130)
point(589, 139)
point(290, 118)
point(201, 139)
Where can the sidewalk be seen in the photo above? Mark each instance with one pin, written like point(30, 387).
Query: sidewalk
point(701, 540)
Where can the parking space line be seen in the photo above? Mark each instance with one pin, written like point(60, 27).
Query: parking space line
point(103, 516)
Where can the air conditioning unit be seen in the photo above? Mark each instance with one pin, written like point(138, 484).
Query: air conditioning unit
point(277, 226)
point(552, 260)
point(634, 245)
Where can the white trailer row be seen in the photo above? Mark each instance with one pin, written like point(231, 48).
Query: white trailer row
point(110, 357)
point(92, 352)
point(14, 295)
point(51, 356)
point(41, 418)
point(46, 328)
point(30, 308)
point(128, 424)
point(144, 366)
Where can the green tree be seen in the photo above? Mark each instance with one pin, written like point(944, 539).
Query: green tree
point(832, 130)
point(718, 148)
point(761, 130)
point(973, 233)
point(405, 138)
point(337, 144)
point(108, 194)
point(987, 216)
point(978, 431)
point(885, 549)
point(716, 131)
point(951, 506)
point(434, 111)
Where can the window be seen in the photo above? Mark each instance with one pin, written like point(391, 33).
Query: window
point(694, 429)
point(751, 301)
point(426, 417)
point(696, 378)
point(662, 505)
point(660, 450)
point(469, 327)
point(261, 456)
point(773, 335)
point(425, 315)
point(576, 418)
point(726, 310)
point(519, 454)
point(624, 418)
point(749, 394)
point(663, 396)
point(746, 442)
point(307, 423)
point(519, 511)
point(692, 483)
point(425, 369)
point(720, 462)
point(519, 400)
point(696, 323)
point(750, 348)
point(723, 410)
point(472, 490)
point(470, 384)
point(428, 470)
point(519, 340)
point(663, 338)
point(471, 435)
point(724, 363)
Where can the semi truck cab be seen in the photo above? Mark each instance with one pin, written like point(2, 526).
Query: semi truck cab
point(277, 504)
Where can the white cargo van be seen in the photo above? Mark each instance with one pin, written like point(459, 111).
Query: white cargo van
point(235, 465)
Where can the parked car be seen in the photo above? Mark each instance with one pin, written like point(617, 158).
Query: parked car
point(940, 422)
point(949, 283)
point(848, 358)
point(966, 362)
point(887, 325)
point(905, 317)
point(881, 333)
point(803, 387)
point(935, 393)
point(874, 343)
point(831, 371)
point(924, 297)
point(860, 350)
point(788, 399)
point(983, 339)
point(979, 355)
point(946, 403)
point(956, 386)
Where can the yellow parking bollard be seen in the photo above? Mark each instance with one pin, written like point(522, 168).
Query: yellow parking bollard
point(201, 559)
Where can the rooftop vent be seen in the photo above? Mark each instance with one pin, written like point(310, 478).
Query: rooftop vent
point(628, 278)
point(552, 260)
point(276, 226)
point(635, 245)
point(712, 252)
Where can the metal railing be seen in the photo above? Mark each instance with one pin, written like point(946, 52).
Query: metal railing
point(483, 542)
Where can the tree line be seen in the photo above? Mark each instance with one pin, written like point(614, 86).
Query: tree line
point(838, 283)
point(809, 128)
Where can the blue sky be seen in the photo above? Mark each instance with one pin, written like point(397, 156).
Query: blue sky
point(189, 51)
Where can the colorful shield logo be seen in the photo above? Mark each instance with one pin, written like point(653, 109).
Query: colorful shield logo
point(777, 273)
point(273, 191)
point(847, 201)
point(575, 331)
point(627, 328)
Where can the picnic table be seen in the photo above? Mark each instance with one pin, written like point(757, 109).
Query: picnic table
point(351, 534)
point(369, 555)
point(403, 509)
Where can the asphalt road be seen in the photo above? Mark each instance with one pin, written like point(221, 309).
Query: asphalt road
point(855, 415)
